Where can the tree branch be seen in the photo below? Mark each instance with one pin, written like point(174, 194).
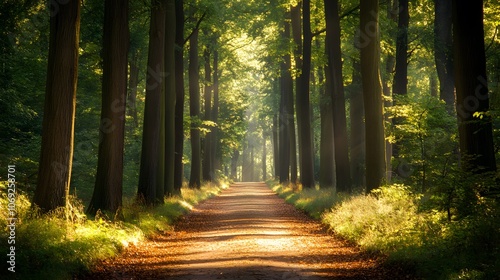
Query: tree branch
point(195, 28)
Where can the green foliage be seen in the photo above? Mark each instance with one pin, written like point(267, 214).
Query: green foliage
point(426, 138)
point(313, 201)
point(384, 220)
point(390, 221)
point(399, 223)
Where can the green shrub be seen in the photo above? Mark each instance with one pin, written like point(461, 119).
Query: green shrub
point(390, 221)
point(312, 201)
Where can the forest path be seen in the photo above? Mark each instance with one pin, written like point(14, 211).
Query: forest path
point(247, 232)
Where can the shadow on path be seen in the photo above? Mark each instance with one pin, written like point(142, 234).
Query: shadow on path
point(247, 232)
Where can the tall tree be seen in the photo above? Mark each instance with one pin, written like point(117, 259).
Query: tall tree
point(170, 98)
point(372, 93)
point(207, 147)
point(108, 186)
point(400, 85)
point(286, 84)
point(179, 93)
point(303, 104)
point(234, 164)
point(132, 87)
point(388, 78)
point(327, 174)
point(264, 156)
point(357, 117)
point(297, 38)
point(215, 147)
point(194, 111)
point(276, 155)
point(56, 156)
point(335, 87)
point(148, 174)
point(443, 51)
point(475, 135)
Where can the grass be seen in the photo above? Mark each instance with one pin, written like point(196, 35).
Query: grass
point(392, 221)
point(52, 247)
point(312, 201)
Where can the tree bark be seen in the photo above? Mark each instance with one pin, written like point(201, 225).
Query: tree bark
point(245, 163)
point(132, 88)
point(357, 127)
point(234, 165)
point(303, 104)
point(179, 94)
point(475, 135)
point(207, 151)
point(372, 93)
point(335, 87)
point(276, 147)
point(215, 147)
point(400, 85)
point(194, 111)
point(54, 173)
point(296, 35)
point(264, 157)
point(148, 173)
point(443, 51)
point(109, 178)
point(327, 151)
point(170, 97)
point(284, 119)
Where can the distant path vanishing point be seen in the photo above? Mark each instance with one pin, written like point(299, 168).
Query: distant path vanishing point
point(247, 232)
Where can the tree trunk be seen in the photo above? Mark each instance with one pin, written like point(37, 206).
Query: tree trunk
point(335, 87)
point(475, 135)
point(357, 127)
point(264, 156)
point(443, 51)
point(170, 97)
point(390, 149)
point(293, 139)
point(234, 164)
point(179, 94)
point(276, 147)
point(390, 62)
point(303, 105)
point(372, 94)
point(245, 163)
point(400, 85)
point(109, 178)
point(284, 119)
point(215, 147)
point(252, 163)
point(54, 173)
point(296, 34)
point(148, 173)
point(194, 111)
point(327, 174)
point(207, 156)
point(132, 88)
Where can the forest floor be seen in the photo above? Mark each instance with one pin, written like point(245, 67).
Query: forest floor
point(247, 232)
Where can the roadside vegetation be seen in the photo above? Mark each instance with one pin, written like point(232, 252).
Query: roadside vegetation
point(409, 229)
point(67, 242)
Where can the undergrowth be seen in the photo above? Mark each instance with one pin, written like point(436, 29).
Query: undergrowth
point(394, 221)
point(312, 201)
point(62, 244)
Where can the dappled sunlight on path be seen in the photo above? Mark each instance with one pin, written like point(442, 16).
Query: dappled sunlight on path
point(245, 233)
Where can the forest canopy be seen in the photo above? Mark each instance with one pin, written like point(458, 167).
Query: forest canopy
point(112, 100)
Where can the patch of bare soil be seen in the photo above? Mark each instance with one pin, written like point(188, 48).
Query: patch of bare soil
point(247, 232)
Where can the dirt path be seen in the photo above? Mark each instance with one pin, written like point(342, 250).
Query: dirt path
point(247, 232)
